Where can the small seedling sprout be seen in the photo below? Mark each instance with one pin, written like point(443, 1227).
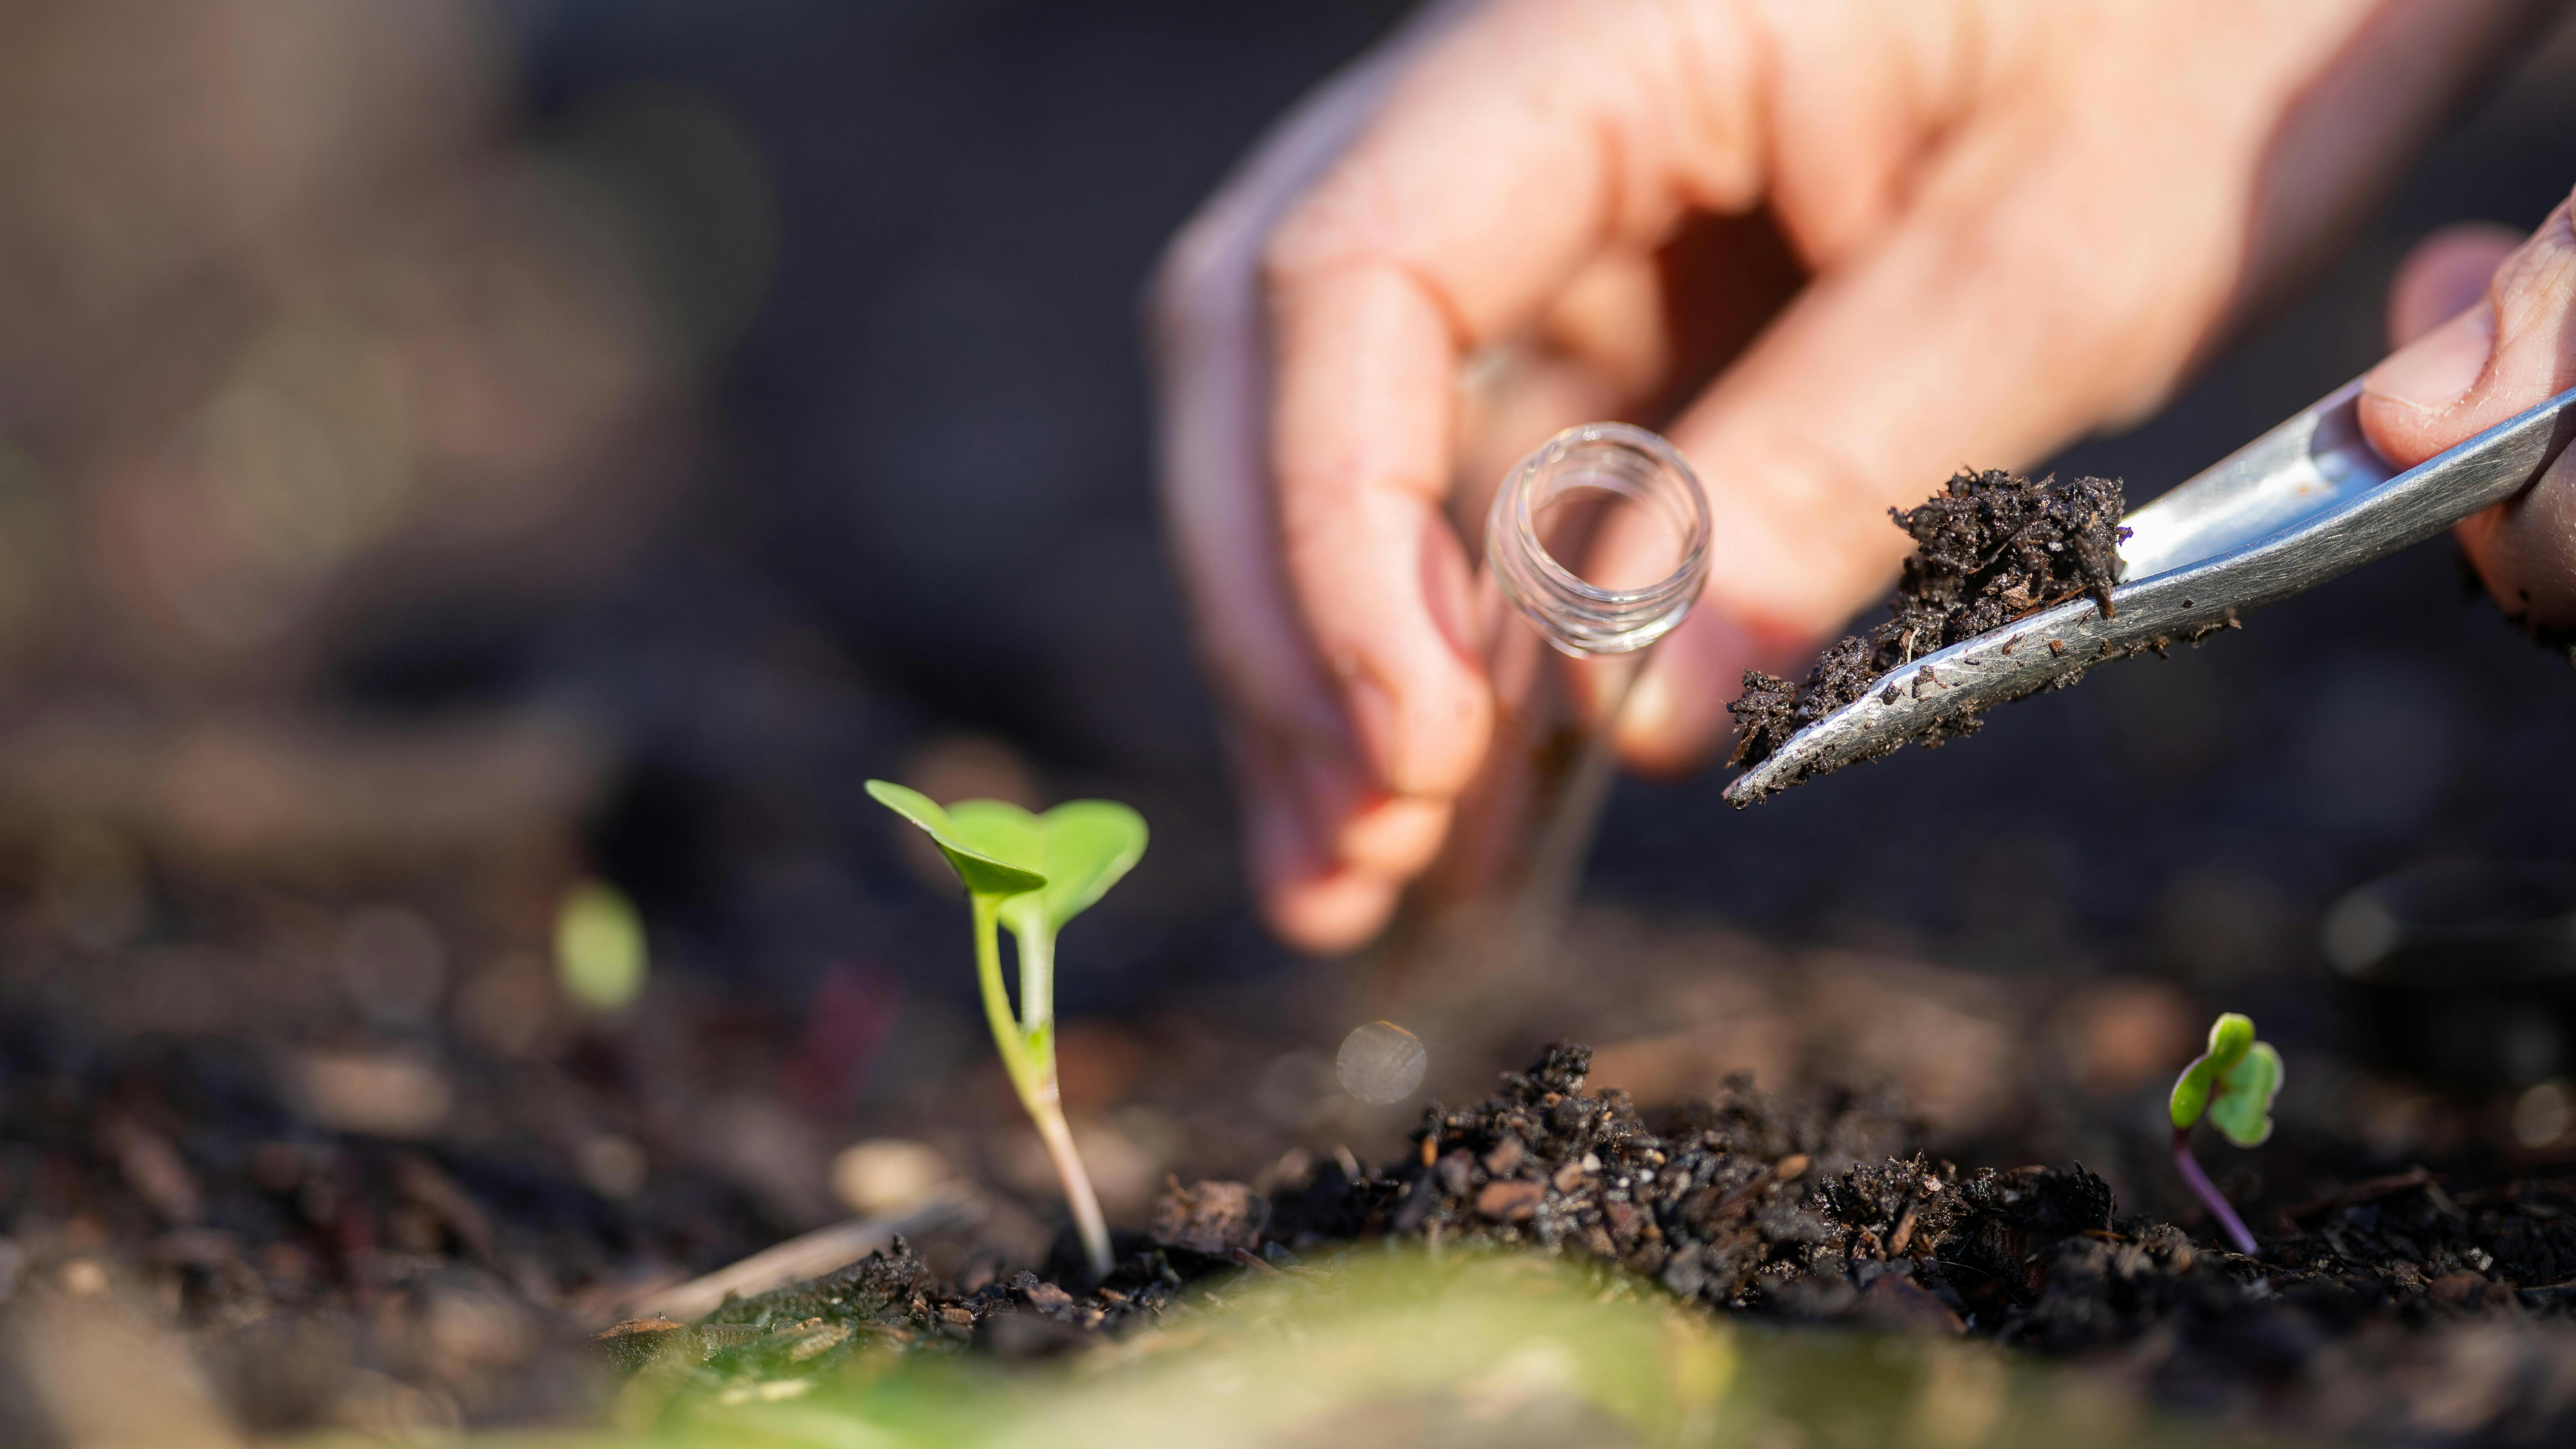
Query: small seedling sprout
point(1031, 873)
point(599, 948)
point(2233, 1084)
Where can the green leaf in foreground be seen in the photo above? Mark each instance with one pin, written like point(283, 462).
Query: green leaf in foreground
point(1392, 1346)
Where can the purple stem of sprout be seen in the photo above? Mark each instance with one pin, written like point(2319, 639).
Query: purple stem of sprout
point(2209, 1195)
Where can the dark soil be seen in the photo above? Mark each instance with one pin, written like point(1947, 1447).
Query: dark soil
point(1813, 1214)
point(1990, 548)
point(307, 1261)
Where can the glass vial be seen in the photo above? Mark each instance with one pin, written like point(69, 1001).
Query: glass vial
point(1596, 546)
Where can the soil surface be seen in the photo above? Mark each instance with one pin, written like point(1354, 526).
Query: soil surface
point(1989, 548)
point(1813, 1214)
point(386, 1181)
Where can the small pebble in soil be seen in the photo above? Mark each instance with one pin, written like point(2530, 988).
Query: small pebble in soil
point(1216, 1219)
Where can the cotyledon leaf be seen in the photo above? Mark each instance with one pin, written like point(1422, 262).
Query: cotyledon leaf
point(2242, 1107)
point(984, 873)
point(2230, 1038)
point(1081, 847)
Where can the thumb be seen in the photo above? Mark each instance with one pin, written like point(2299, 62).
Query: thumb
point(2511, 351)
point(2446, 274)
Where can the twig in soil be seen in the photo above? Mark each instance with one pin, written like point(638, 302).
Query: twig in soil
point(811, 1255)
point(1904, 1234)
point(2367, 1190)
point(2233, 1084)
point(1988, 1275)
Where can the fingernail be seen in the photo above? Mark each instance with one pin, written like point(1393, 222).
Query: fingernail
point(2432, 373)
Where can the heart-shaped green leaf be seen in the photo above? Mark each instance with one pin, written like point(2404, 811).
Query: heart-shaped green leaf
point(2230, 1038)
point(983, 873)
point(2242, 1108)
point(1081, 847)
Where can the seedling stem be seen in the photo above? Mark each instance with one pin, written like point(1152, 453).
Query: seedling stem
point(1028, 1054)
point(2208, 1193)
point(1031, 873)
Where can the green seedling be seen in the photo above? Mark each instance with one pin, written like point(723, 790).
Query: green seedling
point(2232, 1084)
point(599, 947)
point(1031, 873)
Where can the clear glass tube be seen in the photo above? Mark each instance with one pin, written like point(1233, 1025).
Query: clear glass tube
point(1596, 546)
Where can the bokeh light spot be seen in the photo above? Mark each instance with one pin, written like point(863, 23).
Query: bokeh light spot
point(1381, 1062)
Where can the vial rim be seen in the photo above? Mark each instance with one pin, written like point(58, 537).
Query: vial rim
point(1608, 609)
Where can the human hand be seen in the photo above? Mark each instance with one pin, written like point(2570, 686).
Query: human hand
point(2017, 219)
point(2485, 326)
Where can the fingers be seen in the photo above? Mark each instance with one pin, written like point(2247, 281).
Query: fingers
point(1676, 714)
point(2446, 274)
point(2507, 352)
point(1479, 207)
point(2041, 269)
point(2485, 364)
point(1975, 335)
point(1204, 317)
point(1311, 897)
point(1362, 422)
point(1479, 197)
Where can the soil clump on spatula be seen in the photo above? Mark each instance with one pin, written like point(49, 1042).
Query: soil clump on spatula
point(1989, 548)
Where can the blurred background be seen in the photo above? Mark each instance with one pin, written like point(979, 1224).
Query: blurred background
point(460, 458)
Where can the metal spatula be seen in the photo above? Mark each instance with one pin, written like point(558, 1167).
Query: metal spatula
point(2299, 505)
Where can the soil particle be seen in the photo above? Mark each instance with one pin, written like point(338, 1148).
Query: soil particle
point(1817, 1212)
point(1213, 1218)
point(1704, 1200)
point(1510, 1202)
point(1043, 1296)
point(1989, 548)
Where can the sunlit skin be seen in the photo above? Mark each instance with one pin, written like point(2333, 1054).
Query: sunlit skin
point(2019, 220)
